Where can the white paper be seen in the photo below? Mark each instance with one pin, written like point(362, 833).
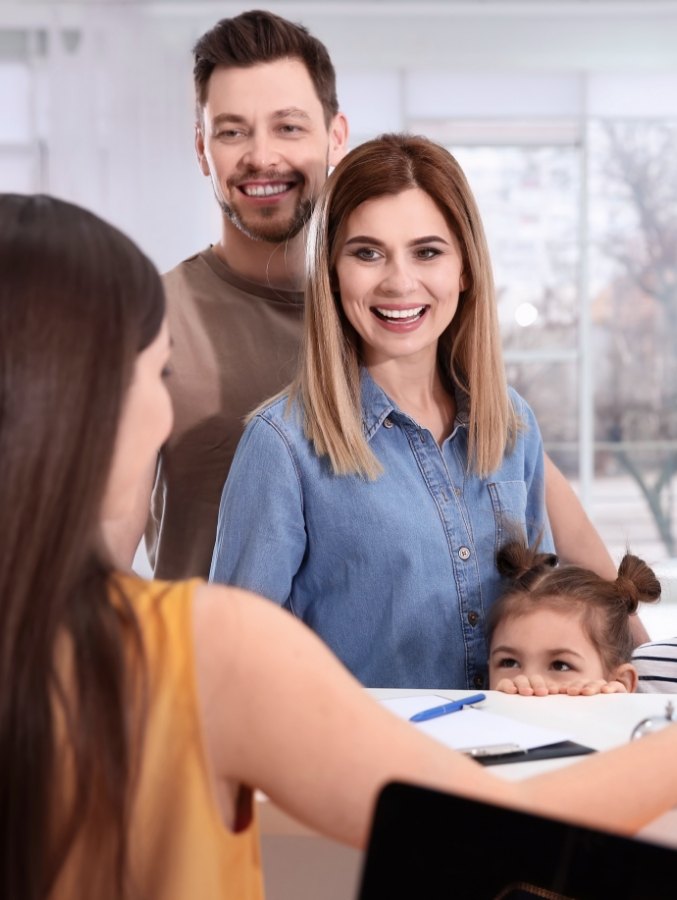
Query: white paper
point(471, 728)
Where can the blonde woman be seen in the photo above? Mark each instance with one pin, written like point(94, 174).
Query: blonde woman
point(371, 499)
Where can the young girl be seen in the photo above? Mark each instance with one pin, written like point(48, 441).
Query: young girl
point(565, 630)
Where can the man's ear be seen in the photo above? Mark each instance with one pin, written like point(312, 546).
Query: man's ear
point(338, 139)
point(200, 149)
point(627, 675)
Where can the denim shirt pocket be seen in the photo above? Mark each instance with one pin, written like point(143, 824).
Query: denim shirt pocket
point(509, 502)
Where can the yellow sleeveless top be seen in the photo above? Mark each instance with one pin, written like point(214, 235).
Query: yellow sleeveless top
point(179, 847)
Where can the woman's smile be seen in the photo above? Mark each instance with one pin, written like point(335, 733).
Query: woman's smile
point(398, 318)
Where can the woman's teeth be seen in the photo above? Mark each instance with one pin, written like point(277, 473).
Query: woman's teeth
point(400, 314)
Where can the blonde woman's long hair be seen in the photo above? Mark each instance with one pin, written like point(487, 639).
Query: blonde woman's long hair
point(327, 385)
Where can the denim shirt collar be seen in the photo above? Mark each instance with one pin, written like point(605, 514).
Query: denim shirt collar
point(377, 407)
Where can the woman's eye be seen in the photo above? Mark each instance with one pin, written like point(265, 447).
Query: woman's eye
point(560, 666)
point(427, 252)
point(366, 253)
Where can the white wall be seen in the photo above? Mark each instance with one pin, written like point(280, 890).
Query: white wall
point(111, 109)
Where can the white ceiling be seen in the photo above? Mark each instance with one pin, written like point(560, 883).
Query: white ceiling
point(458, 35)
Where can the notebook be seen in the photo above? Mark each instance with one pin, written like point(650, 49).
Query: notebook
point(488, 737)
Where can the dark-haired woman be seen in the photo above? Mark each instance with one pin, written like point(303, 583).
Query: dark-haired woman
point(136, 717)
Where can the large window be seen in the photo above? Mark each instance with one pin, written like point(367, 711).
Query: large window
point(581, 219)
point(633, 297)
point(19, 151)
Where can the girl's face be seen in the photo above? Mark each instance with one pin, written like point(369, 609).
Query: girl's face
point(144, 426)
point(399, 271)
point(547, 642)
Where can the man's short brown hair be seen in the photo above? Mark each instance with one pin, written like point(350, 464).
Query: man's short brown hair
point(259, 37)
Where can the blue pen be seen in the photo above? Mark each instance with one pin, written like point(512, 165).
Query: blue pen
point(446, 708)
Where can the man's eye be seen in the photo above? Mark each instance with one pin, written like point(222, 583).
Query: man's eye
point(560, 666)
point(290, 129)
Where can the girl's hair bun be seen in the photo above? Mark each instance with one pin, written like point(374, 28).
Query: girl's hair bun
point(636, 582)
point(522, 564)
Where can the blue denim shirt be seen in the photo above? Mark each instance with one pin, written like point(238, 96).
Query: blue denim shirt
point(395, 575)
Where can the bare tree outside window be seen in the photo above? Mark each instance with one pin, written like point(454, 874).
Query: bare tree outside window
point(633, 207)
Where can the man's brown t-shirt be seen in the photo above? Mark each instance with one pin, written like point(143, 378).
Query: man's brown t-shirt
point(235, 343)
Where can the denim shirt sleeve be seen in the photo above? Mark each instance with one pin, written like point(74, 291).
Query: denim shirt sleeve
point(261, 536)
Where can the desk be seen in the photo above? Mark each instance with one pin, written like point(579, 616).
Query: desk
point(300, 864)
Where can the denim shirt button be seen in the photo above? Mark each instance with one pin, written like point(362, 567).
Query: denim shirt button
point(387, 423)
point(478, 681)
point(464, 553)
point(473, 618)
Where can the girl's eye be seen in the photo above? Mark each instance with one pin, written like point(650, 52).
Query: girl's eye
point(560, 666)
point(508, 663)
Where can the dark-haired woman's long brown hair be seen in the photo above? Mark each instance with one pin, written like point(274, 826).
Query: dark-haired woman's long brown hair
point(77, 303)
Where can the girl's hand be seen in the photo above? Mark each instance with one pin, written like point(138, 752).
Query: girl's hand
point(588, 688)
point(529, 686)
point(538, 686)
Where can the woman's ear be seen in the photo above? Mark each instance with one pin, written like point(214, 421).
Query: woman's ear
point(627, 675)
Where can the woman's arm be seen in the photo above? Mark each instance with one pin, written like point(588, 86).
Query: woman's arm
point(281, 714)
point(122, 536)
point(576, 539)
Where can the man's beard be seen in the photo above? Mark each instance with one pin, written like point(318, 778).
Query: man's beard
point(272, 231)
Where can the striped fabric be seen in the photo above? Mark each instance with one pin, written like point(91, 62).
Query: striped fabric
point(656, 664)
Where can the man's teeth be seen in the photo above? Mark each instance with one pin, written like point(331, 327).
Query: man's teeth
point(400, 313)
point(264, 190)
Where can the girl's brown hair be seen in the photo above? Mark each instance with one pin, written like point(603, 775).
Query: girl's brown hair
point(606, 606)
point(78, 302)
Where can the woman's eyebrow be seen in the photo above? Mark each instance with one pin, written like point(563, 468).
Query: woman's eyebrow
point(368, 239)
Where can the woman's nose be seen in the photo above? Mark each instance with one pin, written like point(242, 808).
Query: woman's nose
point(398, 280)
